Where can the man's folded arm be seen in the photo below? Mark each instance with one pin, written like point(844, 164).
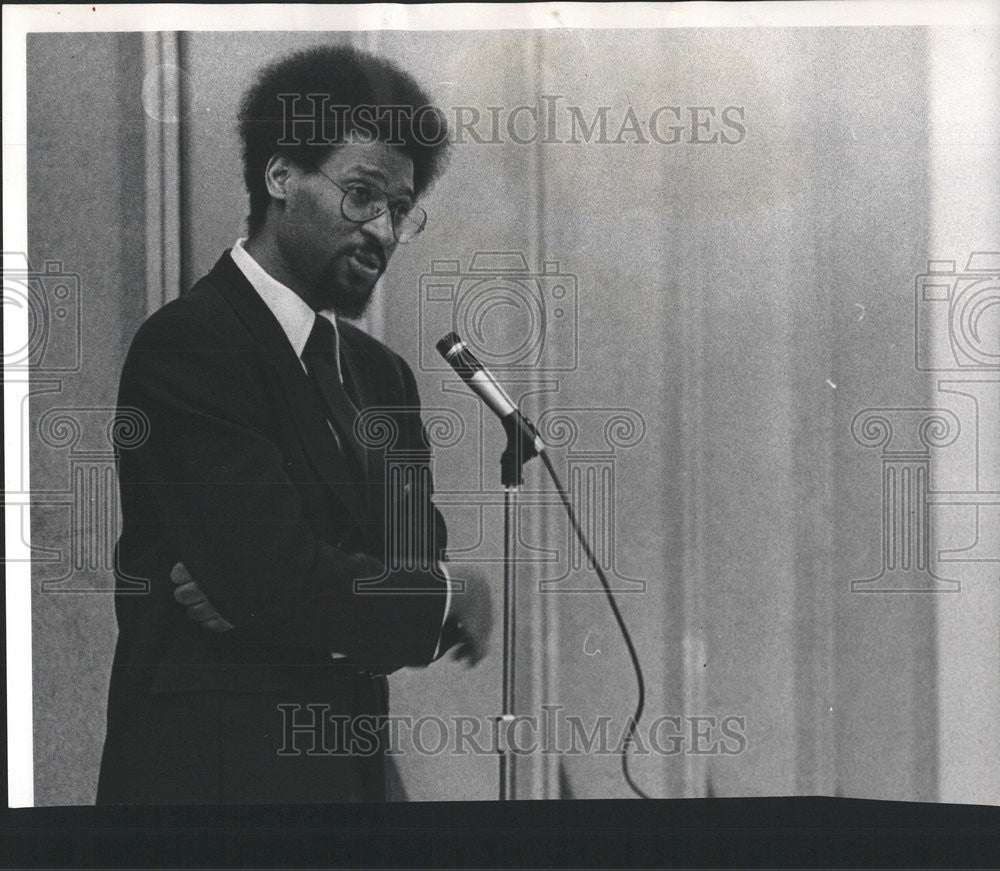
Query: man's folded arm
point(210, 471)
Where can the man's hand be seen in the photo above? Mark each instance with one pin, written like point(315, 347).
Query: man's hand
point(472, 614)
point(198, 608)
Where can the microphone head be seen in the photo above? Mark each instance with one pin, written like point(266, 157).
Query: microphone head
point(448, 344)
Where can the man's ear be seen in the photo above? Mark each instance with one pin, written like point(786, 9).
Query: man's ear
point(277, 174)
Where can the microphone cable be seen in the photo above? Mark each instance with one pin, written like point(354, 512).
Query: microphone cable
point(634, 721)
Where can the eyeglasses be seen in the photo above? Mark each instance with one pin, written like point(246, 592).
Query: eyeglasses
point(362, 203)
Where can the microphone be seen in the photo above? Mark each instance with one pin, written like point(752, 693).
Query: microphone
point(487, 388)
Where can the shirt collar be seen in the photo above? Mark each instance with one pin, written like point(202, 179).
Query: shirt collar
point(292, 312)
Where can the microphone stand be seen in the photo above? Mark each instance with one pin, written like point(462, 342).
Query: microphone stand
point(522, 445)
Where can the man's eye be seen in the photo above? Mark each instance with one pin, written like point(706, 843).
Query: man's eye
point(361, 195)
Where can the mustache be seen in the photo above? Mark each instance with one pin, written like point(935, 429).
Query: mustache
point(373, 253)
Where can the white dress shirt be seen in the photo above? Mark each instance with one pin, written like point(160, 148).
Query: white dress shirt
point(291, 310)
point(296, 319)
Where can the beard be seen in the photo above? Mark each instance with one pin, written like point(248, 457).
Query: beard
point(336, 288)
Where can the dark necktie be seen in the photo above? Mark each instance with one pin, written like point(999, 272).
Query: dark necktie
point(320, 357)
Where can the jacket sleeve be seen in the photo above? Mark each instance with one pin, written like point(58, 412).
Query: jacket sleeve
point(212, 478)
point(436, 537)
point(437, 533)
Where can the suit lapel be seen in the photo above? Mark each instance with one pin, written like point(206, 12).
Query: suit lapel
point(305, 406)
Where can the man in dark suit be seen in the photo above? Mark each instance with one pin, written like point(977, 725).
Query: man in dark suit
point(254, 506)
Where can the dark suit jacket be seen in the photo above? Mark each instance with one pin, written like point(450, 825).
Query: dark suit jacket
point(233, 470)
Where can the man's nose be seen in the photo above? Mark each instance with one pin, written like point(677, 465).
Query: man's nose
point(381, 228)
